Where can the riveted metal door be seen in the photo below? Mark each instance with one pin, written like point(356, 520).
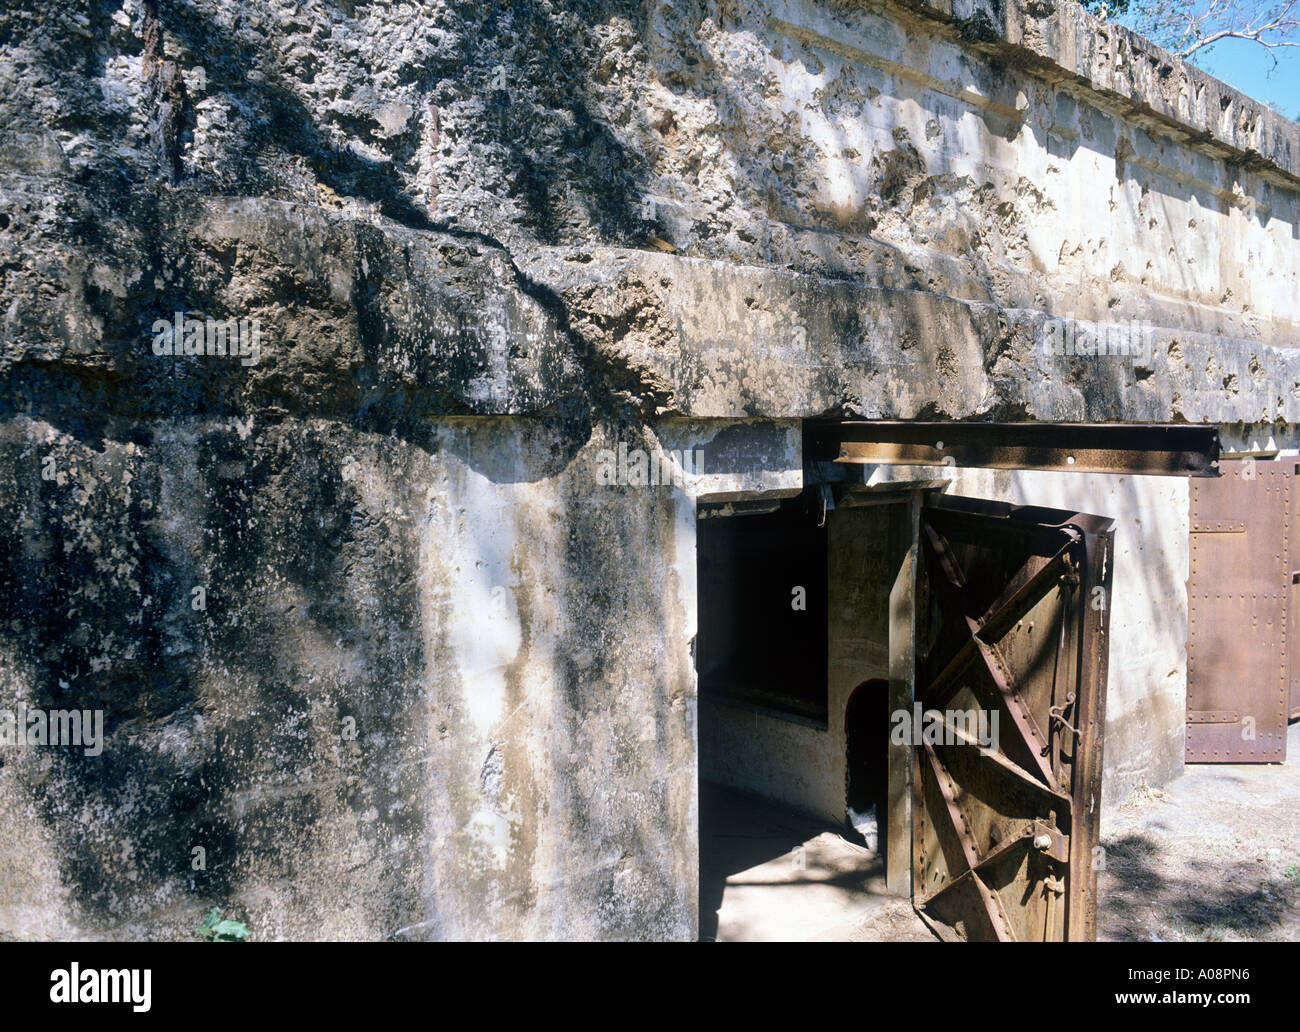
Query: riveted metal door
point(1012, 625)
point(1239, 594)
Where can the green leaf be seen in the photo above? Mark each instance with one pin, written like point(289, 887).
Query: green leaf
point(230, 931)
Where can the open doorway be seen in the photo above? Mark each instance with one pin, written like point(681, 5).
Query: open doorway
point(793, 655)
point(866, 720)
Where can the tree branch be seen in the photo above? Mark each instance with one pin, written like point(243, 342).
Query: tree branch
point(1216, 37)
point(1185, 32)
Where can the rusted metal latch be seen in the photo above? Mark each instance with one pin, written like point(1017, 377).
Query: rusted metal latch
point(1047, 838)
point(1057, 715)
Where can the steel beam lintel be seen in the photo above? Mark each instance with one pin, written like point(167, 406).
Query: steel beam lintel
point(1149, 450)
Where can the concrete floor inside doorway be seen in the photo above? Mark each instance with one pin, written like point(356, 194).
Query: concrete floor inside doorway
point(1215, 855)
point(768, 874)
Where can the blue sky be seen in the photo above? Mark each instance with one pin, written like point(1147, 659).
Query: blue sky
point(1244, 64)
point(1248, 67)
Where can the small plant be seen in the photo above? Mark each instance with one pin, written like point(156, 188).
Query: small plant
point(1293, 872)
point(213, 929)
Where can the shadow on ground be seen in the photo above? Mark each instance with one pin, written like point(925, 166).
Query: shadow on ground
point(770, 875)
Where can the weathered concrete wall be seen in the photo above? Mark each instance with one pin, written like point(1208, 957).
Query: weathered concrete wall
point(404, 710)
point(780, 758)
point(914, 186)
point(400, 713)
point(614, 218)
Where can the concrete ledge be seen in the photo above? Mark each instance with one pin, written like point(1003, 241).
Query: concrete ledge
point(1061, 42)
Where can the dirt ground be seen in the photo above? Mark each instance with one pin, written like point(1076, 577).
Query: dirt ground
point(1214, 856)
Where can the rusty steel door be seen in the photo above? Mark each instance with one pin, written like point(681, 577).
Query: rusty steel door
point(1013, 607)
point(1239, 594)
